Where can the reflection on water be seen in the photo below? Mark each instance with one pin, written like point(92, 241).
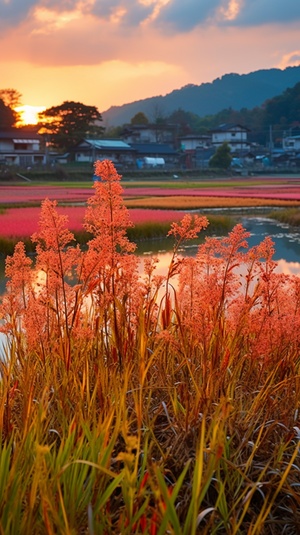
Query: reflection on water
point(286, 239)
point(286, 243)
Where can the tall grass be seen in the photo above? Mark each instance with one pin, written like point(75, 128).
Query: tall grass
point(153, 404)
point(291, 216)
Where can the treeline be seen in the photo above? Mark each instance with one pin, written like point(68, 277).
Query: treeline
point(281, 113)
point(64, 125)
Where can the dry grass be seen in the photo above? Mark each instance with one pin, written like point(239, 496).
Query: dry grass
point(291, 216)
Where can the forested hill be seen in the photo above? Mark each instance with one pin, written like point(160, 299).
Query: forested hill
point(231, 90)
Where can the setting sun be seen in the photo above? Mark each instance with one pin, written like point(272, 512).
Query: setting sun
point(29, 114)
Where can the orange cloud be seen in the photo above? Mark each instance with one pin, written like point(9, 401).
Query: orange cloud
point(292, 59)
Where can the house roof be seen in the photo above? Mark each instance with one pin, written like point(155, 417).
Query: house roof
point(226, 127)
point(195, 136)
point(149, 126)
point(104, 144)
point(205, 154)
point(153, 148)
point(19, 135)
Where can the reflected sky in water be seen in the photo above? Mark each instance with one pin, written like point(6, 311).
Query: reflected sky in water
point(286, 239)
point(286, 243)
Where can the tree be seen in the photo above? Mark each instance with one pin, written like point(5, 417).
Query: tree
point(67, 124)
point(222, 157)
point(139, 118)
point(7, 116)
point(113, 132)
point(283, 111)
point(158, 114)
point(184, 121)
point(9, 100)
point(11, 97)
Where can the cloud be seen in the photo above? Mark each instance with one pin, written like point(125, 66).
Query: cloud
point(290, 60)
point(258, 12)
point(12, 12)
point(184, 16)
point(15, 12)
point(131, 12)
point(176, 16)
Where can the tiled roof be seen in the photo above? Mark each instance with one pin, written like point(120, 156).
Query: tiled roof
point(19, 133)
point(111, 144)
point(225, 127)
point(153, 148)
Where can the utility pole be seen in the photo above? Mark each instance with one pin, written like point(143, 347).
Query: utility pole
point(271, 144)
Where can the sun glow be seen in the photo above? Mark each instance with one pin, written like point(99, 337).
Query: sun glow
point(29, 114)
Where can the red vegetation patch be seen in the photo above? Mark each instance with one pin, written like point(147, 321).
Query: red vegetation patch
point(23, 222)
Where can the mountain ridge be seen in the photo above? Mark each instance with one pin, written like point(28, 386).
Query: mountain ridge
point(231, 90)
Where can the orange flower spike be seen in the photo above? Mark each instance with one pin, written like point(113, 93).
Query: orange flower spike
point(219, 452)
point(53, 232)
point(143, 523)
point(153, 525)
point(188, 228)
point(107, 217)
point(144, 480)
point(225, 360)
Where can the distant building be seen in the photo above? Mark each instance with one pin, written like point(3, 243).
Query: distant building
point(115, 150)
point(202, 157)
point(21, 147)
point(191, 142)
point(190, 146)
point(155, 150)
point(291, 143)
point(150, 133)
point(233, 134)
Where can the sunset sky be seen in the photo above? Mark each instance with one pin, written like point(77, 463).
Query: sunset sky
point(111, 52)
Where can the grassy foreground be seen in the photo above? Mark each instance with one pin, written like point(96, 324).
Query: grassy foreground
point(148, 404)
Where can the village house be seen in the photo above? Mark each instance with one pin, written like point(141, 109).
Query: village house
point(148, 154)
point(90, 150)
point(191, 142)
point(21, 147)
point(291, 143)
point(233, 134)
point(150, 133)
point(191, 145)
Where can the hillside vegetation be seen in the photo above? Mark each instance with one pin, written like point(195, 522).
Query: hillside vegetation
point(229, 91)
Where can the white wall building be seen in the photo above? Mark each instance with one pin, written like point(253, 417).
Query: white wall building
point(194, 141)
point(233, 134)
point(291, 143)
point(90, 150)
point(20, 147)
